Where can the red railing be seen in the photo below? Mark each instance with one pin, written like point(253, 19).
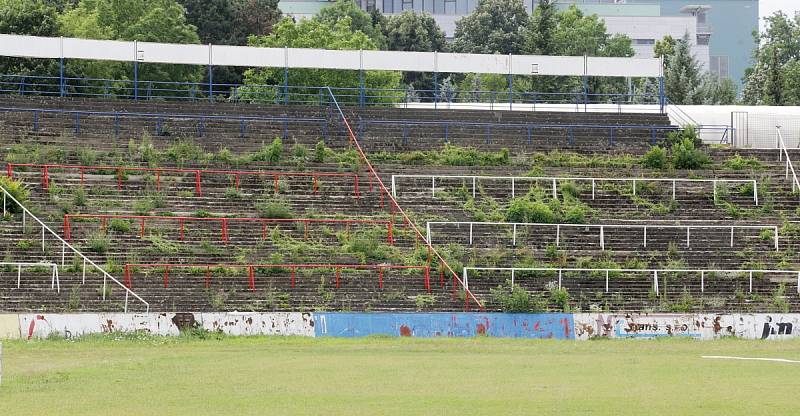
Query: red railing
point(251, 269)
point(237, 174)
point(224, 221)
point(395, 206)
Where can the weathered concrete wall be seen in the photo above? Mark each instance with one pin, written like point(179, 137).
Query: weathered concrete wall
point(74, 325)
point(700, 326)
point(9, 326)
point(581, 326)
point(554, 325)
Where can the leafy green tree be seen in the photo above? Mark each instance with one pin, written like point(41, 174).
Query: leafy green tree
point(143, 20)
point(543, 24)
point(771, 80)
point(314, 33)
point(682, 74)
point(358, 18)
point(230, 22)
point(495, 26)
point(665, 47)
point(28, 17)
point(417, 32)
point(255, 17)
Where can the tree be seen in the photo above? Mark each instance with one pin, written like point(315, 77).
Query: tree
point(143, 20)
point(495, 26)
point(314, 33)
point(215, 20)
point(682, 74)
point(226, 22)
point(255, 17)
point(665, 47)
point(543, 23)
point(358, 18)
point(28, 17)
point(417, 32)
point(772, 78)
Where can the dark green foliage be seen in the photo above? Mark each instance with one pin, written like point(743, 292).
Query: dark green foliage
point(655, 158)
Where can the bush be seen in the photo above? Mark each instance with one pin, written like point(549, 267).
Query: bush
point(17, 190)
point(655, 158)
point(680, 136)
point(524, 210)
point(79, 197)
point(319, 152)
point(271, 153)
point(99, 243)
point(686, 156)
point(740, 163)
point(512, 298)
point(274, 209)
point(119, 225)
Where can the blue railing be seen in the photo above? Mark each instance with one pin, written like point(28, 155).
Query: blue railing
point(302, 95)
point(78, 119)
point(450, 130)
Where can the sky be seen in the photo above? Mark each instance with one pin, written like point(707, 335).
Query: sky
point(768, 7)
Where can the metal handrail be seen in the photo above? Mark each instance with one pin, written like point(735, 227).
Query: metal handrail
point(655, 272)
point(789, 166)
point(399, 209)
point(603, 227)
point(555, 179)
point(65, 245)
point(54, 281)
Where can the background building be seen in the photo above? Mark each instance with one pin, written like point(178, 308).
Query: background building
point(720, 30)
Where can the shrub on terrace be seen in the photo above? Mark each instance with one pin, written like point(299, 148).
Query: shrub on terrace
point(655, 158)
point(514, 298)
point(277, 208)
point(686, 156)
point(271, 153)
point(17, 190)
point(525, 210)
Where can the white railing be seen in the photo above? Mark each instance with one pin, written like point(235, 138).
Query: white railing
point(65, 245)
point(784, 152)
point(654, 272)
point(54, 283)
point(602, 228)
point(556, 179)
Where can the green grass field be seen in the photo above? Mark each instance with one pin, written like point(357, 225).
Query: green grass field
point(402, 376)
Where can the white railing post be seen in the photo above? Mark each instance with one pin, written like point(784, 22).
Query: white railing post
point(755, 192)
point(466, 281)
point(428, 232)
point(776, 237)
point(645, 236)
point(555, 191)
point(514, 235)
point(19, 275)
point(394, 190)
point(602, 239)
point(512, 277)
point(634, 186)
point(751, 282)
point(473, 187)
point(715, 191)
point(593, 188)
point(433, 187)
point(513, 186)
point(687, 235)
point(558, 235)
point(673, 189)
point(655, 281)
point(606, 280)
point(702, 281)
point(559, 278)
point(470, 233)
point(731, 236)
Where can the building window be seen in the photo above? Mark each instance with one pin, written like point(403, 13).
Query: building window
point(719, 66)
point(644, 41)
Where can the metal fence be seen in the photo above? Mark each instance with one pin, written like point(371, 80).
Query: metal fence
point(601, 229)
point(554, 180)
point(559, 272)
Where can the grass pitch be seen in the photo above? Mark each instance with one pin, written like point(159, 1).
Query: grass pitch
point(372, 376)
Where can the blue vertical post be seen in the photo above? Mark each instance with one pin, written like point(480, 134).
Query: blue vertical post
point(210, 83)
point(210, 75)
point(136, 79)
point(361, 88)
point(662, 98)
point(286, 84)
point(435, 89)
point(585, 91)
point(510, 91)
point(61, 89)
